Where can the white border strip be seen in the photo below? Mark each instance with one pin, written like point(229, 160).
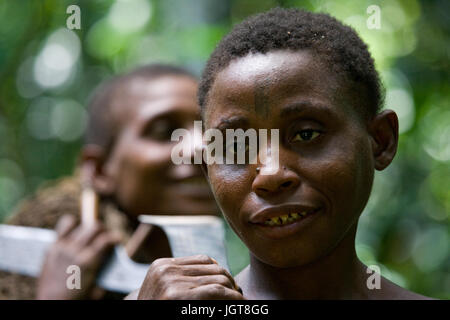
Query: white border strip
point(179, 220)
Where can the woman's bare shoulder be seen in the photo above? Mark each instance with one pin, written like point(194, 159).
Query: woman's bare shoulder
point(392, 291)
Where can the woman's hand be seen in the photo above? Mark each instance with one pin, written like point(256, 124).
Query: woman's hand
point(84, 246)
point(195, 277)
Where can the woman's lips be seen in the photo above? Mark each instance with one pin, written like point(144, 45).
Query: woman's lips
point(283, 221)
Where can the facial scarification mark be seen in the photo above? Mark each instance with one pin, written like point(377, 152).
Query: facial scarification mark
point(262, 105)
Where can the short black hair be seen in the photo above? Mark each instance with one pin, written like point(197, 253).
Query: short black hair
point(103, 125)
point(295, 29)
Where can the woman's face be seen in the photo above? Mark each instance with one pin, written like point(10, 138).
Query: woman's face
point(145, 179)
point(325, 162)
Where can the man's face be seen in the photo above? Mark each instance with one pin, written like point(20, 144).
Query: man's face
point(145, 179)
point(325, 161)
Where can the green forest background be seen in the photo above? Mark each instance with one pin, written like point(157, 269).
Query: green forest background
point(48, 71)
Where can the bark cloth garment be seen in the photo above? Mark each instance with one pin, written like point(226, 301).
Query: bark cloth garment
point(43, 210)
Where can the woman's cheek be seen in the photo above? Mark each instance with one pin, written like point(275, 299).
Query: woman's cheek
point(230, 186)
point(346, 178)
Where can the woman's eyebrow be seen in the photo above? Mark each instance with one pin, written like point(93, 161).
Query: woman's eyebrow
point(233, 122)
point(301, 106)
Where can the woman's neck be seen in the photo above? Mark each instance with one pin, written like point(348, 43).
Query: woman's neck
point(338, 275)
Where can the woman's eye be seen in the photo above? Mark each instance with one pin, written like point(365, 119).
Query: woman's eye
point(236, 147)
point(305, 135)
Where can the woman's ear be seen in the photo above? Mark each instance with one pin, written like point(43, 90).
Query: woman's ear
point(92, 170)
point(384, 136)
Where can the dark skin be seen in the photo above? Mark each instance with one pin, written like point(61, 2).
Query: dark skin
point(262, 107)
point(140, 172)
point(329, 150)
point(196, 277)
point(139, 176)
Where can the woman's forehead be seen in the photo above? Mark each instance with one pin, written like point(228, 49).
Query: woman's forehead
point(255, 66)
point(257, 82)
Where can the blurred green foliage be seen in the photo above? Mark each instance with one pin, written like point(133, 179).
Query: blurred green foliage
point(48, 71)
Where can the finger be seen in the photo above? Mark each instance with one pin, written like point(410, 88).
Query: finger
point(93, 256)
point(65, 225)
point(85, 234)
point(234, 282)
point(192, 260)
point(208, 269)
point(211, 279)
point(100, 247)
point(215, 292)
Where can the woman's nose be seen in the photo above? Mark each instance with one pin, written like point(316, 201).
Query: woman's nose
point(282, 180)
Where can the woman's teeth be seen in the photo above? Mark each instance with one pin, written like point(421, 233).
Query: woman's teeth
point(285, 219)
